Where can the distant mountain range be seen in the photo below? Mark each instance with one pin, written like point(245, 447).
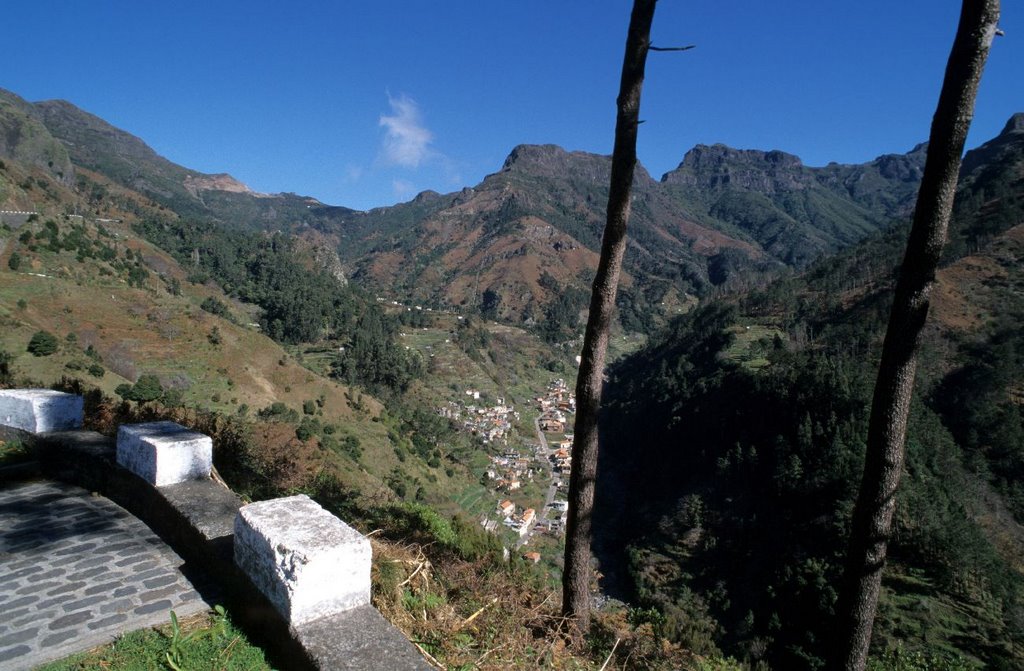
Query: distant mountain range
point(526, 233)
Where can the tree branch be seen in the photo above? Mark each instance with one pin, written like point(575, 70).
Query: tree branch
point(686, 48)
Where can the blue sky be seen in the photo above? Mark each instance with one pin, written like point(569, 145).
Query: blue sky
point(367, 103)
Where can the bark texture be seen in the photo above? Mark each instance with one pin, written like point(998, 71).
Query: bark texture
point(883, 464)
point(576, 575)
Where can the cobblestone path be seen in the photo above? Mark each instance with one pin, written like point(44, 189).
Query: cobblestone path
point(76, 570)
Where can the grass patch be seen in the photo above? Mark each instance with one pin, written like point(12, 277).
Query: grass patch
point(752, 344)
point(14, 452)
point(915, 617)
point(475, 499)
point(206, 642)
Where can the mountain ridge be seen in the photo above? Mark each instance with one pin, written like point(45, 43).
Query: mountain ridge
point(724, 217)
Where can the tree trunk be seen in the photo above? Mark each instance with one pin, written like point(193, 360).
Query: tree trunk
point(883, 464)
point(576, 574)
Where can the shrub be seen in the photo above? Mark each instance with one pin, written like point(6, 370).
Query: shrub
point(97, 370)
point(172, 398)
point(146, 388)
point(14, 262)
point(215, 307)
point(352, 447)
point(43, 343)
point(278, 411)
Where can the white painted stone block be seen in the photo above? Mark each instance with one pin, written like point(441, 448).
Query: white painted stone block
point(164, 453)
point(306, 561)
point(40, 410)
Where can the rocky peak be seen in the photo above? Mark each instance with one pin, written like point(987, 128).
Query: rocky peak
point(1009, 143)
point(907, 167)
point(530, 154)
point(704, 157)
point(551, 161)
point(426, 196)
point(1015, 124)
point(719, 165)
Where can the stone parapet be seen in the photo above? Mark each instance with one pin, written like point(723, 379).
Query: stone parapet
point(40, 410)
point(307, 562)
point(164, 453)
point(358, 640)
point(199, 517)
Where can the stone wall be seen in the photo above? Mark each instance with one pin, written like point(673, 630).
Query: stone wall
point(296, 578)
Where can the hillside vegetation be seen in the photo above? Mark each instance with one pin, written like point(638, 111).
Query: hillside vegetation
point(739, 457)
point(316, 343)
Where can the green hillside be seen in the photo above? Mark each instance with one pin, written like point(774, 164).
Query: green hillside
point(736, 438)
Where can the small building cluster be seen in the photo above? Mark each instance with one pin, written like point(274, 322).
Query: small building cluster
point(556, 403)
point(561, 458)
point(510, 470)
point(520, 523)
point(491, 424)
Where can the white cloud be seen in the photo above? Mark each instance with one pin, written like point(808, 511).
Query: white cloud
point(406, 139)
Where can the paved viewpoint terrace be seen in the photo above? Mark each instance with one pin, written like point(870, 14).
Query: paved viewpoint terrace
point(77, 570)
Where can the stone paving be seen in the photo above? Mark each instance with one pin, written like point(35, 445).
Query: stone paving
point(76, 570)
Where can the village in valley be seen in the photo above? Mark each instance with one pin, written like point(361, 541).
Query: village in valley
point(514, 464)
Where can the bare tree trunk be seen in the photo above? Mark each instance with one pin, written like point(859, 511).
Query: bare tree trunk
point(576, 575)
point(883, 464)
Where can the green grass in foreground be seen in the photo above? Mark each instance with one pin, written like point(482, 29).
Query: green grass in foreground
point(14, 452)
point(208, 642)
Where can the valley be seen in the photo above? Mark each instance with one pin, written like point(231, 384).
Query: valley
point(413, 368)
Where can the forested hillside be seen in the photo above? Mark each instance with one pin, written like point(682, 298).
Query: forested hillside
point(735, 440)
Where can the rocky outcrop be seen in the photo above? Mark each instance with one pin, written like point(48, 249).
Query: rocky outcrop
point(718, 166)
point(220, 182)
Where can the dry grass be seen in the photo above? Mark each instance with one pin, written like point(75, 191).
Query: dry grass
point(479, 615)
point(468, 615)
